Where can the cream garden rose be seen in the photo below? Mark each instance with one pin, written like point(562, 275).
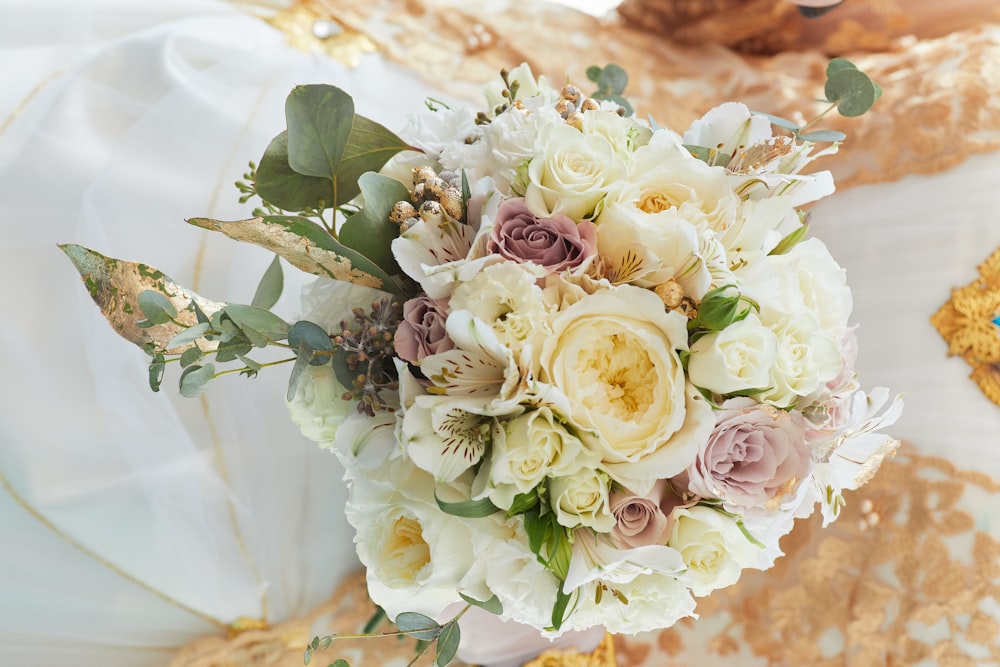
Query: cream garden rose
point(738, 357)
point(613, 354)
point(713, 547)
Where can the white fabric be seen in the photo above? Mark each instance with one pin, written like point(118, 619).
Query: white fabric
point(154, 112)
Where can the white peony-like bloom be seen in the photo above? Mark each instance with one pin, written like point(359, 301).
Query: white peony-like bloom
point(713, 547)
point(655, 601)
point(527, 449)
point(613, 355)
point(738, 357)
point(571, 172)
point(505, 297)
point(581, 499)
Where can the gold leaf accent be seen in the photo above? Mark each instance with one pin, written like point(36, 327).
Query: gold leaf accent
point(302, 252)
point(115, 285)
point(965, 321)
point(299, 23)
point(602, 656)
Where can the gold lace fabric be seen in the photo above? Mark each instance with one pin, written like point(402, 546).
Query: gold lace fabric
point(966, 322)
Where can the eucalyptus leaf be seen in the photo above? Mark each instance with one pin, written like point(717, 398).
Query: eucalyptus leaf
point(493, 605)
point(418, 625)
point(295, 377)
point(306, 246)
point(115, 286)
point(253, 320)
point(188, 335)
point(447, 644)
point(270, 287)
point(191, 356)
point(369, 147)
point(369, 231)
point(593, 73)
point(838, 65)
point(345, 376)
point(779, 121)
point(156, 307)
point(612, 79)
point(311, 342)
point(194, 380)
point(156, 369)
point(852, 90)
point(815, 12)
point(467, 509)
point(233, 348)
point(277, 183)
point(319, 121)
point(340, 662)
point(823, 135)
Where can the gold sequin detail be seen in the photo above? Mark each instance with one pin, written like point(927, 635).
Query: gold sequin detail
point(301, 24)
point(966, 322)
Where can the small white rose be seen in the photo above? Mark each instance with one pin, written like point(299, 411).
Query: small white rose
point(582, 500)
point(318, 407)
point(806, 360)
point(713, 547)
point(736, 358)
point(570, 172)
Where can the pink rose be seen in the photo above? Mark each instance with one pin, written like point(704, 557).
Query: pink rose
point(556, 244)
point(421, 332)
point(756, 455)
point(641, 520)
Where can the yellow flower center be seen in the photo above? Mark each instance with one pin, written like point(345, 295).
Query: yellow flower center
point(625, 375)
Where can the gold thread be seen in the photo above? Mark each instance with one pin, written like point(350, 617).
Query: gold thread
point(41, 518)
point(27, 100)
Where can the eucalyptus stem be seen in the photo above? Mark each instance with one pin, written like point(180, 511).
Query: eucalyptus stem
point(833, 105)
point(265, 365)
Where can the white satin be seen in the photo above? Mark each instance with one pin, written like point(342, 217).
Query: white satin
point(153, 112)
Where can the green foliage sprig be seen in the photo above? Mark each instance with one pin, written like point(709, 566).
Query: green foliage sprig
point(611, 81)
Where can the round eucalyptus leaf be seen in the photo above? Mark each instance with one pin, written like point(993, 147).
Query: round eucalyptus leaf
point(852, 90)
point(447, 644)
point(156, 307)
point(838, 65)
point(308, 339)
point(823, 135)
point(593, 73)
point(194, 380)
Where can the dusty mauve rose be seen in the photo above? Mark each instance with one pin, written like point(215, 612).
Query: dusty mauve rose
point(755, 456)
point(421, 332)
point(640, 520)
point(557, 243)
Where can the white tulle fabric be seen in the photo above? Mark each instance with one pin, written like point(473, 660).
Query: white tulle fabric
point(152, 113)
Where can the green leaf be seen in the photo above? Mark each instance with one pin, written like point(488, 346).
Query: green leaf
point(277, 183)
point(319, 121)
point(593, 73)
point(306, 246)
point(340, 662)
point(376, 620)
point(852, 90)
point(295, 376)
point(559, 608)
point(194, 380)
point(612, 79)
point(369, 231)
point(311, 342)
point(234, 347)
point(190, 356)
point(838, 65)
point(260, 326)
point(418, 625)
point(115, 286)
point(345, 376)
point(270, 286)
point(156, 307)
point(718, 309)
point(822, 135)
point(523, 502)
point(467, 509)
point(189, 335)
point(447, 644)
point(466, 196)
point(368, 148)
point(710, 156)
point(790, 241)
point(560, 552)
point(156, 369)
point(493, 605)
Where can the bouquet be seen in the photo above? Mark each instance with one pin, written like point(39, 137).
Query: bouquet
point(580, 369)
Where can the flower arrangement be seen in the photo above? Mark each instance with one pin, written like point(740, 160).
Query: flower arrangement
point(580, 369)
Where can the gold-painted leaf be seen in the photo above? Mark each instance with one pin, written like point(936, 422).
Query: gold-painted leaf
point(115, 286)
point(306, 246)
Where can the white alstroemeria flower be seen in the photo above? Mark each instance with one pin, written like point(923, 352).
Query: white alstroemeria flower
point(728, 127)
point(595, 558)
point(433, 242)
point(758, 228)
point(527, 87)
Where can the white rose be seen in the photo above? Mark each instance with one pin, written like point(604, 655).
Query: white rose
point(613, 355)
point(624, 133)
point(527, 449)
point(505, 297)
point(713, 547)
point(571, 172)
point(581, 499)
point(806, 360)
point(736, 358)
point(318, 407)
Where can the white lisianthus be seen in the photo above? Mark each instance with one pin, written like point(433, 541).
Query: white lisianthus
point(713, 547)
point(613, 355)
point(318, 406)
point(504, 296)
point(655, 601)
point(738, 357)
point(437, 131)
point(510, 140)
point(623, 133)
point(570, 172)
point(581, 499)
point(806, 360)
point(527, 449)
